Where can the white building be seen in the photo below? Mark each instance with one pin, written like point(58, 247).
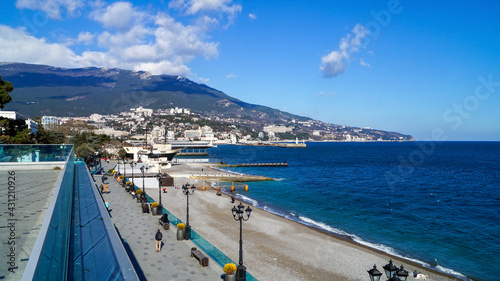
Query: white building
point(140, 111)
point(206, 130)
point(32, 125)
point(277, 129)
point(177, 110)
point(111, 132)
point(192, 133)
point(50, 122)
point(158, 132)
point(171, 135)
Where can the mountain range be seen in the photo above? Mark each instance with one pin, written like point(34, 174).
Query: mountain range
point(47, 90)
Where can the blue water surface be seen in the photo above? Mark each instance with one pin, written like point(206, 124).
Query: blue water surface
point(436, 203)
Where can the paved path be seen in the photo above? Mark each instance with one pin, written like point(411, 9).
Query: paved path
point(33, 191)
point(173, 262)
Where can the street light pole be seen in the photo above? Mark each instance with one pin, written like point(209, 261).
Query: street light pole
point(160, 206)
point(132, 164)
point(143, 186)
point(241, 273)
point(124, 170)
point(185, 190)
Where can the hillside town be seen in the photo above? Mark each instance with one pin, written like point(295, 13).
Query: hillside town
point(183, 124)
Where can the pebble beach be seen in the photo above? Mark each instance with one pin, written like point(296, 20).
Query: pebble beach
point(274, 247)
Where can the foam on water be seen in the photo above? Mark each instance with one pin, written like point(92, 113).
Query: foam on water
point(338, 232)
point(452, 272)
point(420, 213)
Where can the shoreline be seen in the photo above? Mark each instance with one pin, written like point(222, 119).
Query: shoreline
point(349, 239)
point(270, 241)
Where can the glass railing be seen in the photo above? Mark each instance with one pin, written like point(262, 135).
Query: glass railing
point(34, 153)
point(48, 260)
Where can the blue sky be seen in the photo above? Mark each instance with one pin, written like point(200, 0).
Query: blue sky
point(426, 68)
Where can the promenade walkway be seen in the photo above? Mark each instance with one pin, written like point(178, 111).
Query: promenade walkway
point(20, 222)
point(137, 230)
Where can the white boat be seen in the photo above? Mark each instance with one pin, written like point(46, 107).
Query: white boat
point(158, 157)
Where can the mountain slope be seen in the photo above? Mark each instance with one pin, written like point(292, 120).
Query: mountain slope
point(46, 90)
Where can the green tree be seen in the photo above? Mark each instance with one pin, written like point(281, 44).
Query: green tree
point(5, 89)
point(47, 137)
point(22, 137)
point(14, 131)
point(122, 153)
point(88, 143)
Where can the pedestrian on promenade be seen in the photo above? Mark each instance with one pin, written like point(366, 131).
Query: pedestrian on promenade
point(158, 238)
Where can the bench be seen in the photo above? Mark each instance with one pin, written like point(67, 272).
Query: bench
point(199, 256)
point(145, 208)
point(166, 225)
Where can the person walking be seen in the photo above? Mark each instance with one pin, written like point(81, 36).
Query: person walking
point(158, 237)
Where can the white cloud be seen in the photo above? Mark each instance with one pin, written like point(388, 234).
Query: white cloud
point(337, 61)
point(363, 63)
point(205, 81)
point(85, 37)
point(163, 67)
point(192, 7)
point(17, 46)
point(120, 40)
point(231, 76)
point(130, 39)
point(119, 16)
point(323, 93)
point(52, 8)
point(252, 16)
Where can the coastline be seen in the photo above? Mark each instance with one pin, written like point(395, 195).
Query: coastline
point(277, 248)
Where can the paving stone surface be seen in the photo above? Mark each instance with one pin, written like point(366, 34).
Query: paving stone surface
point(29, 194)
point(174, 261)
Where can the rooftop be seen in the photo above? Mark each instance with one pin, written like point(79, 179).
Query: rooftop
point(55, 225)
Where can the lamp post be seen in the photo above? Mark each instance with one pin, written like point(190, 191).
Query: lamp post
point(391, 271)
point(143, 170)
point(124, 170)
point(185, 190)
point(241, 273)
point(132, 165)
point(160, 206)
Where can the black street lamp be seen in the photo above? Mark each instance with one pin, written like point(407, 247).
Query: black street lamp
point(374, 274)
point(241, 273)
point(391, 271)
point(143, 170)
point(132, 165)
point(185, 190)
point(124, 170)
point(160, 206)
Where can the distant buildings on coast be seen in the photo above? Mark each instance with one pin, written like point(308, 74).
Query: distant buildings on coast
point(181, 124)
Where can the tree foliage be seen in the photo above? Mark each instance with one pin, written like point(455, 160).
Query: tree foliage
point(88, 143)
point(5, 88)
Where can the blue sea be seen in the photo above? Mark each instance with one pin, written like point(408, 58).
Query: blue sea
point(434, 203)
